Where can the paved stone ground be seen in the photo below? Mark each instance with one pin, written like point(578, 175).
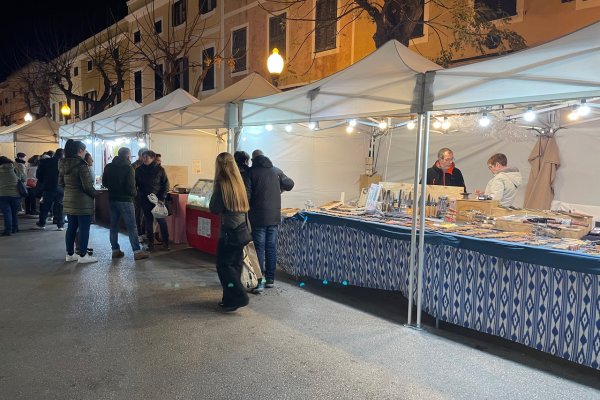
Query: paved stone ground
point(152, 330)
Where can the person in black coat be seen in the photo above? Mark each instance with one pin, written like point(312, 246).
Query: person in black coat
point(152, 178)
point(52, 193)
point(242, 160)
point(264, 185)
point(444, 172)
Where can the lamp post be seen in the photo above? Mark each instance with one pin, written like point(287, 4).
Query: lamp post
point(28, 117)
point(65, 110)
point(275, 66)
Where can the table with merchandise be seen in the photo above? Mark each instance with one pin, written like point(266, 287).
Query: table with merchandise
point(540, 291)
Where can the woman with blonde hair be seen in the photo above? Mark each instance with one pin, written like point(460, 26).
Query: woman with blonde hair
point(230, 201)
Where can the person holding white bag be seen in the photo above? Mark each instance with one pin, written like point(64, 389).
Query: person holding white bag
point(151, 178)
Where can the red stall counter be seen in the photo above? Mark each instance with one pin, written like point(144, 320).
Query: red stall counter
point(202, 229)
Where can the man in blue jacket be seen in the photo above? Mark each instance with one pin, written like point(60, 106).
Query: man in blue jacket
point(264, 185)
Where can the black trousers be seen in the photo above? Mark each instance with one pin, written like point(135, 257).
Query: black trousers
point(229, 268)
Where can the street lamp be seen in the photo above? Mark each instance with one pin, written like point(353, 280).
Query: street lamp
point(275, 66)
point(28, 117)
point(65, 110)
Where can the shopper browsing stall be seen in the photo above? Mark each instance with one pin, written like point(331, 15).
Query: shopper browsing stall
point(506, 181)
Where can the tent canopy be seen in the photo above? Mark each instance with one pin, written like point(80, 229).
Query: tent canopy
point(43, 130)
point(84, 128)
point(389, 81)
point(132, 122)
point(214, 111)
point(565, 68)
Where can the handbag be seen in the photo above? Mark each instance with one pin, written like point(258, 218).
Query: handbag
point(239, 236)
point(22, 189)
point(248, 276)
point(31, 182)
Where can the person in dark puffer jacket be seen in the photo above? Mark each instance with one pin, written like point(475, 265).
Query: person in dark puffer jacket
point(74, 176)
point(152, 178)
point(9, 195)
point(265, 184)
point(119, 179)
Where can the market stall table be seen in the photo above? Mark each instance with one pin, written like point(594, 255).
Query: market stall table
point(544, 298)
point(176, 221)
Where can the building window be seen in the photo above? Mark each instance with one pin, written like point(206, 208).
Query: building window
point(158, 26)
point(325, 25)
point(207, 6)
point(178, 12)
point(137, 86)
point(137, 37)
point(496, 9)
point(208, 83)
point(117, 99)
point(75, 71)
point(87, 107)
point(239, 50)
point(419, 27)
point(159, 86)
point(53, 111)
point(76, 113)
point(90, 65)
point(182, 78)
point(277, 30)
point(60, 115)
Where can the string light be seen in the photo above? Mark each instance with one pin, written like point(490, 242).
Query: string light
point(437, 124)
point(269, 127)
point(529, 115)
point(583, 109)
point(382, 125)
point(484, 120)
point(312, 125)
point(288, 128)
point(573, 115)
point(410, 125)
point(349, 129)
point(352, 123)
point(446, 124)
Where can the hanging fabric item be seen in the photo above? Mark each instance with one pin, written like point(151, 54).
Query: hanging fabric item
point(544, 160)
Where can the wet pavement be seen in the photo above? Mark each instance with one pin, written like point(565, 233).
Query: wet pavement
point(152, 330)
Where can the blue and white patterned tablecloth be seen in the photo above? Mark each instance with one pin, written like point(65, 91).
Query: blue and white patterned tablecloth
point(555, 310)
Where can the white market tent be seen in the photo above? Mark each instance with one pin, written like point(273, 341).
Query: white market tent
point(387, 82)
point(213, 111)
point(193, 135)
point(30, 138)
point(133, 122)
point(84, 128)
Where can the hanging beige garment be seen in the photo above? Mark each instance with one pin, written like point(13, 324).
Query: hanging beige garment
point(544, 160)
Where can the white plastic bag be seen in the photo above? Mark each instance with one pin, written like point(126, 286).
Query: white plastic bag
point(159, 210)
point(250, 269)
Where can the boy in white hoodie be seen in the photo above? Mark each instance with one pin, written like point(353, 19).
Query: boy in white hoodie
point(506, 181)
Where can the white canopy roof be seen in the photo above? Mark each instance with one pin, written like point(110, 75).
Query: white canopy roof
point(565, 68)
point(132, 122)
point(43, 130)
point(84, 128)
point(213, 111)
point(389, 81)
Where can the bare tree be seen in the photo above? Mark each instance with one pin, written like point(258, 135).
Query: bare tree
point(464, 25)
point(168, 53)
point(109, 55)
point(36, 88)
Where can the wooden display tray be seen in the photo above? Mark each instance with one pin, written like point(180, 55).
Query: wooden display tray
point(513, 226)
point(581, 220)
point(482, 206)
point(433, 191)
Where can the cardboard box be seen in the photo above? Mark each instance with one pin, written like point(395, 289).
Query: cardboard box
point(465, 207)
point(366, 180)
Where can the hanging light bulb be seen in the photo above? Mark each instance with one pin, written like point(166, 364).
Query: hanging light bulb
point(484, 120)
point(88, 141)
point(529, 115)
point(573, 115)
point(382, 125)
point(349, 129)
point(312, 125)
point(141, 143)
point(437, 124)
point(410, 125)
point(288, 128)
point(243, 138)
point(269, 127)
point(583, 109)
point(352, 123)
point(446, 124)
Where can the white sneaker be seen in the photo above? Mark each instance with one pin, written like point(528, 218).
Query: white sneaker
point(74, 257)
point(60, 228)
point(87, 259)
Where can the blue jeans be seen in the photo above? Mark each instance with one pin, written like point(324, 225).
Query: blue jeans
point(126, 210)
point(53, 197)
point(9, 207)
point(265, 242)
point(78, 225)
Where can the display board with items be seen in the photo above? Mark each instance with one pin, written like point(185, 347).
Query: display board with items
point(200, 194)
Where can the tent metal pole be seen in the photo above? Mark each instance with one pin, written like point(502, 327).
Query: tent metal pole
point(145, 130)
point(413, 231)
point(424, 162)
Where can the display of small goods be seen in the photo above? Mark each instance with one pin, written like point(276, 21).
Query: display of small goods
point(200, 194)
point(557, 230)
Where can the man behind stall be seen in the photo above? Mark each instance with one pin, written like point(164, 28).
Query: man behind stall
point(506, 181)
point(444, 171)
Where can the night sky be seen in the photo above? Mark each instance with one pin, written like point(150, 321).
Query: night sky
point(28, 28)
